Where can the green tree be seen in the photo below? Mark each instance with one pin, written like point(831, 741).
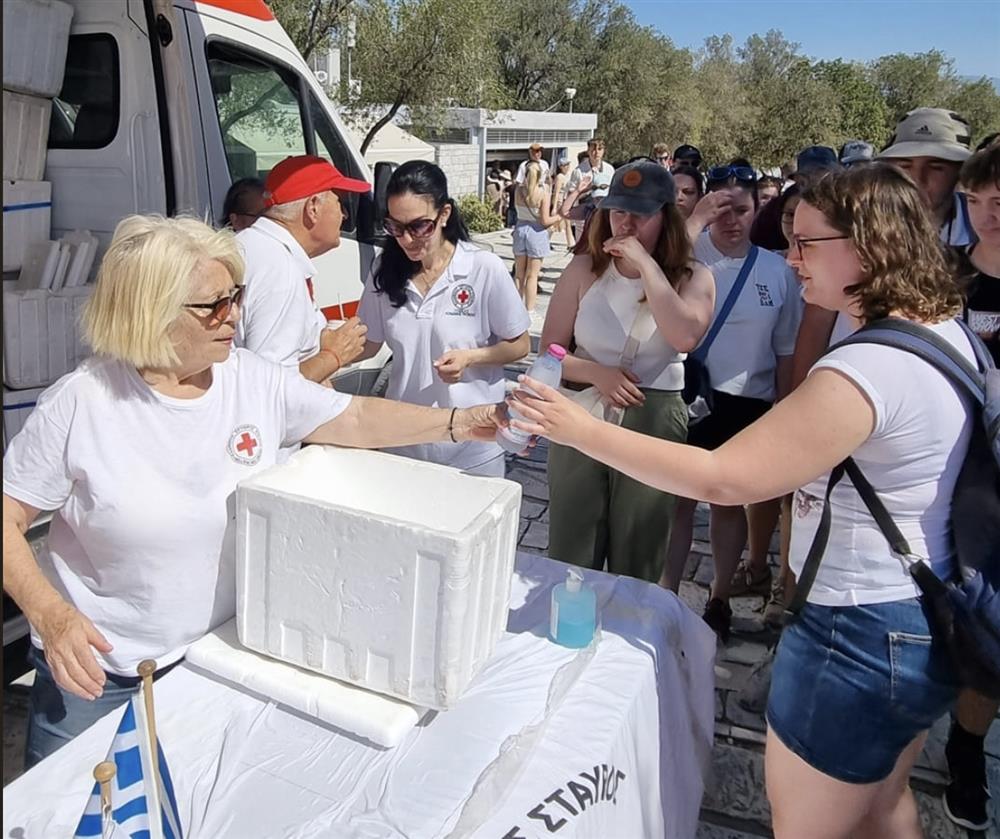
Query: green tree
point(923, 80)
point(979, 103)
point(311, 23)
point(423, 54)
point(863, 114)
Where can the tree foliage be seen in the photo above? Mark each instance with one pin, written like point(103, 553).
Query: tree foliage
point(762, 99)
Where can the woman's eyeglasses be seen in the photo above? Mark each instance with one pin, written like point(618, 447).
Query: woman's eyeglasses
point(743, 174)
point(798, 241)
point(422, 228)
point(220, 309)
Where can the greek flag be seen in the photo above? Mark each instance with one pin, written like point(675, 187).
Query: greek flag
point(134, 795)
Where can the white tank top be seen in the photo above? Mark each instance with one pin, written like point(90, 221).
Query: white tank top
point(604, 320)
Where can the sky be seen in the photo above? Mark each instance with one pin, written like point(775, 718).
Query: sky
point(859, 30)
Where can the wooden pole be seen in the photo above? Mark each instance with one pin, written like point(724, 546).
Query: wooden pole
point(104, 773)
point(146, 670)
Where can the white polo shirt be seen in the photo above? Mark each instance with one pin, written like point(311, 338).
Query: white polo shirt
point(280, 320)
point(472, 304)
point(761, 326)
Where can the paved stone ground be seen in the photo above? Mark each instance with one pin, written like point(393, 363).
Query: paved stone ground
point(735, 806)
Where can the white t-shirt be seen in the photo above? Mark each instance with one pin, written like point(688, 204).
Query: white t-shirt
point(472, 304)
point(143, 540)
point(522, 171)
point(280, 319)
point(761, 326)
point(912, 459)
point(599, 184)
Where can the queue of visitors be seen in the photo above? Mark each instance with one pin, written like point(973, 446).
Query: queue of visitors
point(701, 311)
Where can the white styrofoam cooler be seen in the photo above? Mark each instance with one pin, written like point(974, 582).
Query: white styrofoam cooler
point(34, 48)
point(386, 572)
point(17, 404)
point(25, 136)
point(27, 212)
point(41, 335)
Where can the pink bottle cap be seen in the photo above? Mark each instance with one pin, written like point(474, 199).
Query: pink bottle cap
point(557, 351)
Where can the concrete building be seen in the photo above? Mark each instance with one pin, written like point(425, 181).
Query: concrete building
point(470, 141)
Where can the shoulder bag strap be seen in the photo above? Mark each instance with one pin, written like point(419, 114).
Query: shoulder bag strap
point(727, 307)
point(878, 512)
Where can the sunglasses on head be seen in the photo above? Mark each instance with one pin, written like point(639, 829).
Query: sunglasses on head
point(419, 229)
point(220, 309)
point(743, 174)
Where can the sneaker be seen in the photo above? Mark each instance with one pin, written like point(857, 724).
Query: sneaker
point(719, 616)
point(774, 611)
point(965, 799)
point(966, 805)
point(746, 583)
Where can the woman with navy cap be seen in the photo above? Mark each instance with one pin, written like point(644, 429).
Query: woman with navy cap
point(630, 304)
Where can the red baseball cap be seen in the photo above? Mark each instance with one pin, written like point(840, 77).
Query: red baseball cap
point(305, 175)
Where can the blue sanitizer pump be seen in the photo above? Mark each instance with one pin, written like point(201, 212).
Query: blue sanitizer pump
point(574, 612)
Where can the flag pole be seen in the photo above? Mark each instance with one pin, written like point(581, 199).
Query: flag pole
point(104, 773)
point(146, 670)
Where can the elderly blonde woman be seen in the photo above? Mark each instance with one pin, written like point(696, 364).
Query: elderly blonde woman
point(139, 451)
point(858, 679)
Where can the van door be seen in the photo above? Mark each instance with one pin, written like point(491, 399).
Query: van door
point(257, 107)
point(105, 159)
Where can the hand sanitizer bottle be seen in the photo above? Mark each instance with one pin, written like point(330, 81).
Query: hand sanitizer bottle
point(574, 612)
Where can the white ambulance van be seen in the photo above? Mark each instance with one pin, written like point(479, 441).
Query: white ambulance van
point(164, 103)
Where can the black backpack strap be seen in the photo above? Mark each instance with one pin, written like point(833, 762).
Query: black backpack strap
point(932, 348)
point(816, 550)
point(878, 512)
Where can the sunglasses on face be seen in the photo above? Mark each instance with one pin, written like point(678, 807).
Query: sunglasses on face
point(743, 174)
point(422, 228)
point(220, 309)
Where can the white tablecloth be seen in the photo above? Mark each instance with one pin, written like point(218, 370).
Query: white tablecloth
point(611, 741)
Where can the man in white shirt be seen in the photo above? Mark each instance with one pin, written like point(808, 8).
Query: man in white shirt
point(281, 321)
point(599, 171)
point(930, 145)
point(535, 152)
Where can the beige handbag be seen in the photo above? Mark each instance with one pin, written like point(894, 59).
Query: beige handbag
point(590, 398)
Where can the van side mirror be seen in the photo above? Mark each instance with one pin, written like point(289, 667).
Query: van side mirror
point(373, 205)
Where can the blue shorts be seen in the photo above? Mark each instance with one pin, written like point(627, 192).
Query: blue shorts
point(532, 240)
point(852, 686)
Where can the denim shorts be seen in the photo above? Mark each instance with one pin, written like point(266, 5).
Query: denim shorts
point(531, 239)
point(852, 686)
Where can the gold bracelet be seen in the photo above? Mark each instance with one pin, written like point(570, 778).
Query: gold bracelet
point(451, 425)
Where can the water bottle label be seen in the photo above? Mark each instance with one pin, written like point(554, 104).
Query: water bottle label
point(554, 621)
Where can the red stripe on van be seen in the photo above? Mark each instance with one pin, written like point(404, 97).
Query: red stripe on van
point(251, 8)
point(341, 311)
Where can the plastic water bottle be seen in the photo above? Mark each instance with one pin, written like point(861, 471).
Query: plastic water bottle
point(546, 369)
point(574, 612)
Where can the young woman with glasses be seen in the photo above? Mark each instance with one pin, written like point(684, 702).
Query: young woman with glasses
point(858, 678)
point(139, 451)
point(749, 364)
point(447, 310)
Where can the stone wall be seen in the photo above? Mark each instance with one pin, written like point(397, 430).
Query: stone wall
point(460, 163)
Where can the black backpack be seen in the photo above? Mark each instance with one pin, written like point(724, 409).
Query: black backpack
point(965, 610)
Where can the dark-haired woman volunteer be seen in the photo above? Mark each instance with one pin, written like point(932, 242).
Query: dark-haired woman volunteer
point(447, 309)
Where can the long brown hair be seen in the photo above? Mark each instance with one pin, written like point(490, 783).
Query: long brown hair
point(902, 259)
point(672, 251)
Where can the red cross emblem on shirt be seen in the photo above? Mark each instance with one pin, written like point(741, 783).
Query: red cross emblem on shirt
point(462, 298)
point(245, 446)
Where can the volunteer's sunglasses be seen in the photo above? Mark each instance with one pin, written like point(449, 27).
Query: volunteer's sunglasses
point(743, 174)
point(422, 228)
point(220, 309)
